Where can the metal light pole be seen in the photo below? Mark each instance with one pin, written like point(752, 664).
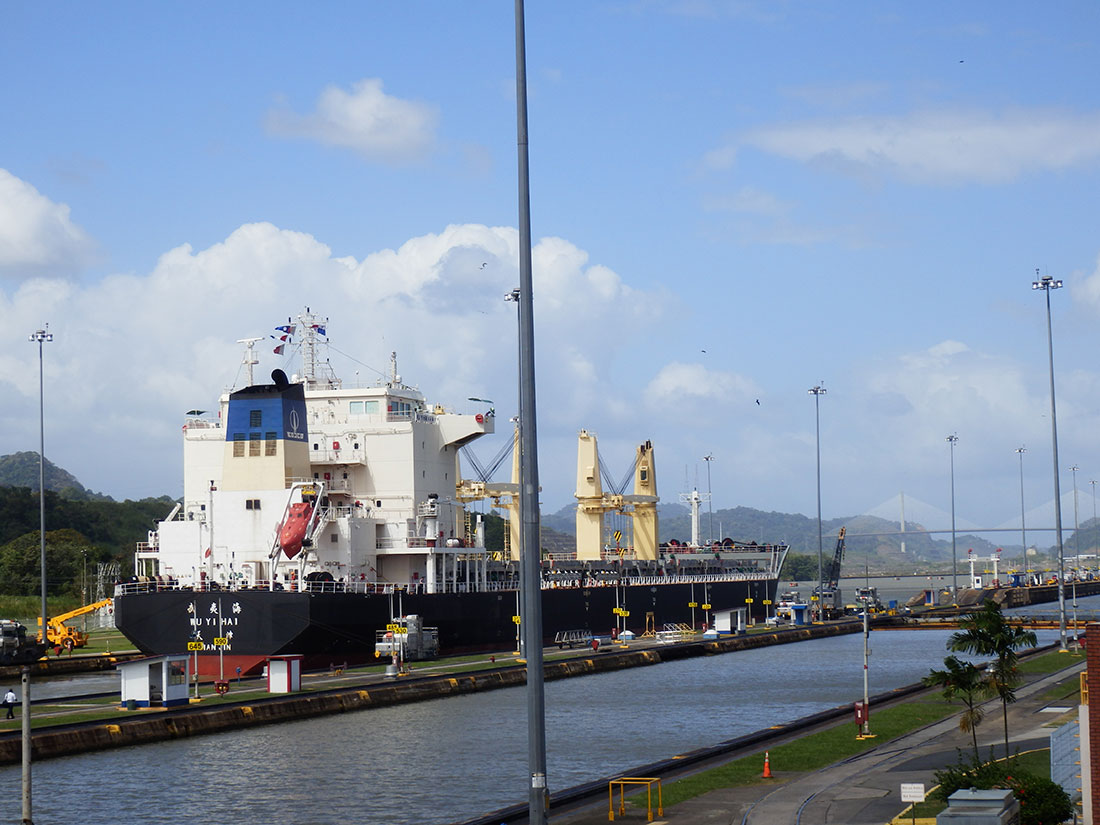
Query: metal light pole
point(25, 717)
point(1094, 525)
point(709, 457)
point(41, 336)
point(531, 562)
point(865, 730)
point(1076, 528)
point(1047, 283)
point(1023, 529)
point(817, 392)
point(952, 440)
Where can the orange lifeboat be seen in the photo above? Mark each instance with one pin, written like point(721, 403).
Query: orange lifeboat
point(293, 531)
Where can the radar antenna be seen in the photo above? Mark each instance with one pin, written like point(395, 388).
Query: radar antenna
point(250, 360)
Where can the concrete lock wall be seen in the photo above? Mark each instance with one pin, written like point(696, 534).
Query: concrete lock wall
point(64, 740)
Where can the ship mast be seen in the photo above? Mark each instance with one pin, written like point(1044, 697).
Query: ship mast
point(250, 360)
point(316, 374)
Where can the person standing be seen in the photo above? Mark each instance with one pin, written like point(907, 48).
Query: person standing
point(9, 702)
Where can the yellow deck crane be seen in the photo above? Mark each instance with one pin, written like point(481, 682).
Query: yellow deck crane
point(60, 634)
point(593, 503)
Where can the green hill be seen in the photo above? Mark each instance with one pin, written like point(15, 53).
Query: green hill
point(21, 470)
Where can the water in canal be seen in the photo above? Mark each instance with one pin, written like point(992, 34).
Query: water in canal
point(450, 759)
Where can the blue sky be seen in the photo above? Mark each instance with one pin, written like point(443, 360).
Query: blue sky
point(731, 202)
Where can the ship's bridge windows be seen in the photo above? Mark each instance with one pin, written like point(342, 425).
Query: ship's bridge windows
point(362, 408)
point(399, 410)
point(269, 443)
point(255, 418)
point(238, 445)
point(253, 444)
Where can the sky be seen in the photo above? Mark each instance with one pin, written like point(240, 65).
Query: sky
point(731, 203)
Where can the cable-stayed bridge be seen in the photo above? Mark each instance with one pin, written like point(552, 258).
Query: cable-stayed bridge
point(920, 517)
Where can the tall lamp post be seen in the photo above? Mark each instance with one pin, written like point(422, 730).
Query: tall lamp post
point(1076, 527)
point(1094, 525)
point(1023, 528)
point(952, 440)
point(42, 336)
point(1077, 553)
point(1047, 283)
point(709, 457)
point(530, 553)
point(817, 392)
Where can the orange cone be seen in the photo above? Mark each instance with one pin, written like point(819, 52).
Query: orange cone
point(767, 766)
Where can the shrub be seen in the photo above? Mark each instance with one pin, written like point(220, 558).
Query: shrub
point(1042, 802)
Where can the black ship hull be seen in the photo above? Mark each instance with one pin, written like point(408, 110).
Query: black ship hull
point(330, 627)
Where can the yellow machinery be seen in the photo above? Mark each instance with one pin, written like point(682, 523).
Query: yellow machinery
point(59, 633)
point(593, 502)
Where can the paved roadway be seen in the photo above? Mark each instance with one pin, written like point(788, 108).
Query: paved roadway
point(863, 790)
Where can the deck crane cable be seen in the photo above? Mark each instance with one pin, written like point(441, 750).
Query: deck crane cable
point(605, 473)
point(485, 473)
point(479, 470)
point(627, 478)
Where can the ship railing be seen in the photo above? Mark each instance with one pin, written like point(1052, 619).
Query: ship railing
point(193, 423)
point(551, 583)
point(144, 547)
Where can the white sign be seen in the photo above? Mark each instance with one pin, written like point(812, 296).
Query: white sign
point(912, 792)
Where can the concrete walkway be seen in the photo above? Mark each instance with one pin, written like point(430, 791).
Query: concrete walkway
point(863, 790)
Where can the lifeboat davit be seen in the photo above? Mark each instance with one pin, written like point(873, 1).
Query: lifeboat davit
point(293, 531)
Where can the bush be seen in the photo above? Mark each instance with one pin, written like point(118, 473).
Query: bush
point(1042, 802)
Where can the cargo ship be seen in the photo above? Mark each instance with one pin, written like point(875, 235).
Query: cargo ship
point(314, 515)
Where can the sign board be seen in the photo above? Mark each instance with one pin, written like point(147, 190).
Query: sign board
point(706, 606)
point(912, 792)
point(693, 604)
point(618, 535)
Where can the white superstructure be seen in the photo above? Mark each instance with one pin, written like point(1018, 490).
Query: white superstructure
point(382, 463)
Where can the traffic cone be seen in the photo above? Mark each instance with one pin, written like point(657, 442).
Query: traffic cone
point(767, 766)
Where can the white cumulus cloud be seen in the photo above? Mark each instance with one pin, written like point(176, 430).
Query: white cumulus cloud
point(678, 383)
point(133, 352)
point(37, 236)
point(365, 119)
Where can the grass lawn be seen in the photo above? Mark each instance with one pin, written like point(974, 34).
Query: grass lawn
point(835, 744)
point(815, 750)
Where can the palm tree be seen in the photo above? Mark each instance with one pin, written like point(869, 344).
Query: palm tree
point(986, 632)
point(962, 680)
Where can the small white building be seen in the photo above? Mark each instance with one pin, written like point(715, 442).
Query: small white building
point(155, 681)
point(284, 674)
point(731, 620)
